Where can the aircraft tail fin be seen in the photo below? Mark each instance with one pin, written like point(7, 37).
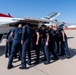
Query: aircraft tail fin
point(5, 15)
point(52, 15)
point(9, 15)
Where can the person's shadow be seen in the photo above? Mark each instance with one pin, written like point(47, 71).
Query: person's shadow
point(2, 48)
point(72, 53)
point(70, 37)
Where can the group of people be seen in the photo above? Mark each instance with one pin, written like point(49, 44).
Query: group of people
point(24, 38)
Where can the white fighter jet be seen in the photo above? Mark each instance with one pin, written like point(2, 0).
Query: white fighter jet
point(7, 21)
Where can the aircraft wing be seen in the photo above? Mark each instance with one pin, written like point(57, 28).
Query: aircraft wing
point(36, 21)
point(32, 21)
point(8, 22)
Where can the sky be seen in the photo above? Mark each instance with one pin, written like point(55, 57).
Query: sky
point(40, 8)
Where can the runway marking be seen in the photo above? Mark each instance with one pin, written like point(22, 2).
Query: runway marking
point(41, 71)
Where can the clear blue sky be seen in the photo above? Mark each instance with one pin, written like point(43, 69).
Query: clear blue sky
point(40, 8)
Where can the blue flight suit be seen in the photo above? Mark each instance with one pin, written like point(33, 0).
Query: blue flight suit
point(64, 44)
point(33, 39)
point(46, 48)
point(16, 45)
point(57, 40)
point(6, 50)
point(61, 40)
point(10, 40)
point(37, 47)
point(26, 37)
point(52, 43)
point(67, 52)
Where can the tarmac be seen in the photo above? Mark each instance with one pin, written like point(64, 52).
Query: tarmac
point(63, 66)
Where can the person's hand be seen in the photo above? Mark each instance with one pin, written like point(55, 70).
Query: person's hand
point(63, 40)
point(46, 43)
point(6, 40)
point(22, 42)
point(36, 43)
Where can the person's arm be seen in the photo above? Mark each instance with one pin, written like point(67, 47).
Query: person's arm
point(23, 35)
point(7, 36)
point(63, 35)
point(37, 38)
point(12, 34)
point(47, 38)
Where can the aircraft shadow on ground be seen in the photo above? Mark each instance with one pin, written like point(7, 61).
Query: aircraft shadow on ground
point(2, 50)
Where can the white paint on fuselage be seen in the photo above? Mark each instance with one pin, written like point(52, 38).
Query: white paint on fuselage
point(5, 30)
point(4, 21)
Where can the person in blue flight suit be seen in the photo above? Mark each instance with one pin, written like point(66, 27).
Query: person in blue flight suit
point(57, 40)
point(52, 42)
point(10, 40)
point(45, 35)
point(67, 52)
point(33, 38)
point(66, 48)
point(37, 44)
point(6, 48)
point(26, 43)
point(64, 42)
point(62, 36)
point(17, 33)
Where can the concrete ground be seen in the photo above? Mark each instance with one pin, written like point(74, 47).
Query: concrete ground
point(63, 66)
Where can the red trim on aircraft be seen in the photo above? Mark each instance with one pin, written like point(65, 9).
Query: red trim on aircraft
point(4, 15)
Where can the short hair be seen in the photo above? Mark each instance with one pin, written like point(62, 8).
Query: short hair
point(43, 25)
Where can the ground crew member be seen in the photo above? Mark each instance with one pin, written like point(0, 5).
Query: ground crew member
point(52, 43)
point(37, 44)
point(45, 34)
point(6, 49)
point(33, 37)
point(26, 42)
point(67, 52)
point(62, 36)
point(16, 44)
point(10, 40)
point(57, 40)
